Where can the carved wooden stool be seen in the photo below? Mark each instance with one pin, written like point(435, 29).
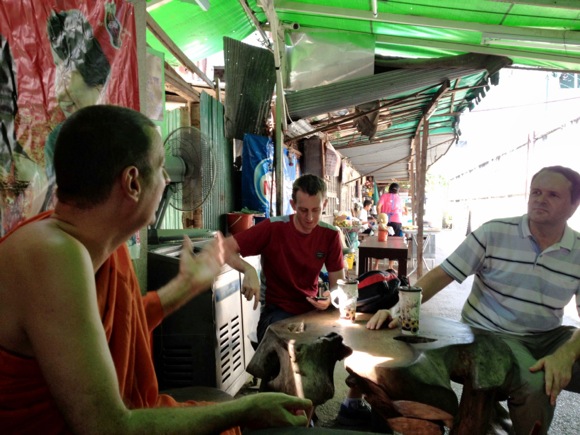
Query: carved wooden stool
point(304, 367)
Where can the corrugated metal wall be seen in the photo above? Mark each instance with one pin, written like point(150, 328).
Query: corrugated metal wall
point(341, 194)
point(220, 200)
point(172, 218)
point(333, 195)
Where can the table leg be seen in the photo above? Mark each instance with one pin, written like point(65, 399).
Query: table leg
point(402, 416)
point(363, 263)
point(303, 370)
point(413, 257)
point(402, 271)
point(475, 409)
point(426, 240)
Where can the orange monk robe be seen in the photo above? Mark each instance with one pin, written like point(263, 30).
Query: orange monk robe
point(26, 405)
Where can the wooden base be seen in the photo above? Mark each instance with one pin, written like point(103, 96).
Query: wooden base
point(303, 369)
point(406, 379)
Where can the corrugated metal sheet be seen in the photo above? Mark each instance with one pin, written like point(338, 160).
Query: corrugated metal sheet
point(172, 219)
point(402, 94)
point(388, 85)
point(250, 78)
point(532, 34)
point(394, 163)
point(198, 33)
point(402, 28)
point(172, 119)
point(220, 200)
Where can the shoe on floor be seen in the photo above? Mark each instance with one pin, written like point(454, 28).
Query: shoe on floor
point(356, 413)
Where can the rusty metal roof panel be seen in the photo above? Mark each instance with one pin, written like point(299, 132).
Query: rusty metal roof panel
point(389, 161)
point(364, 158)
point(394, 103)
point(392, 84)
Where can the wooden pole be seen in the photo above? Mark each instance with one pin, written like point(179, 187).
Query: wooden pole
point(413, 177)
point(421, 173)
point(280, 115)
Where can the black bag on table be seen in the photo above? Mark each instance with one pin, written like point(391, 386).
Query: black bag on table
point(377, 290)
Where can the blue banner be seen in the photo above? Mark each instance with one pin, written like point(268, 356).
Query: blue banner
point(257, 173)
point(258, 188)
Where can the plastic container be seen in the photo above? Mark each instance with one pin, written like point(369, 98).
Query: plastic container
point(349, 260)
point(382, 235)
point(238, 222)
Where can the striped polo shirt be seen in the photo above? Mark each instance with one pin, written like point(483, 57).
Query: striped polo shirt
point(516, 289)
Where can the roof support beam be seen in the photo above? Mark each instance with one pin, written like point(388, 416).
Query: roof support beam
point(351, 14)
point(431, 109)
point(480, 49)
point(564, 4)
point(433, 106)
point(162, 37)
point(342, 120)
point(281, 124)
point(256, 23)
point(175, 83)
point(420, 204)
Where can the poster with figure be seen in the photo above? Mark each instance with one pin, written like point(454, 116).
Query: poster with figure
point(66, 55)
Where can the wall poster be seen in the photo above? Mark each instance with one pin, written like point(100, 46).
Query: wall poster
point(56, 56)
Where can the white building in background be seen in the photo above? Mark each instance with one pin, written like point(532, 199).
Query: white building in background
point(525, 123)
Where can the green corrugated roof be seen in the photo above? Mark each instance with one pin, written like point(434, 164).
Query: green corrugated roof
point(199, 34)
point(419, 29)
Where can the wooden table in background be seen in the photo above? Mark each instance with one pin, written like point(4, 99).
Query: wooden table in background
point(395, 248)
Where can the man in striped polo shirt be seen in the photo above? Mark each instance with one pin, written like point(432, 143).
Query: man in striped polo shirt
point(527, 269)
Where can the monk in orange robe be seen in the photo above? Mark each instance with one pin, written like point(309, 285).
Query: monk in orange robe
point(75, 352)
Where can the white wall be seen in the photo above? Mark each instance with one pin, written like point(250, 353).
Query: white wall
point(521, 126)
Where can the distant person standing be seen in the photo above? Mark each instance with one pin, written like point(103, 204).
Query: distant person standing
point(392, 204)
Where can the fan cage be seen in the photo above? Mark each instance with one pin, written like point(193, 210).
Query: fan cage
point(193, 188)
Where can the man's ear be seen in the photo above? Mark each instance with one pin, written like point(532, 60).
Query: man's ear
point(130, 183)
point(324, 203)
point(293, 204)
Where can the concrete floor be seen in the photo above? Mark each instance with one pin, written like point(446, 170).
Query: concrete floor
point(448, 303)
